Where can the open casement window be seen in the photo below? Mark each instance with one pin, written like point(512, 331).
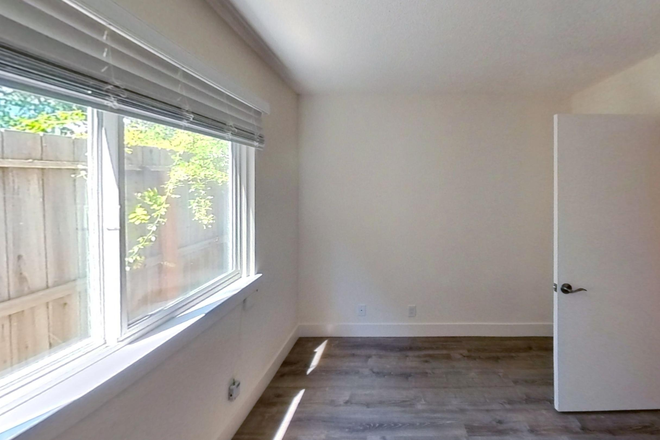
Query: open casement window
point(126, 181)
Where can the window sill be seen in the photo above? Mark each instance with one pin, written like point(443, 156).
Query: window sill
point(59, 407)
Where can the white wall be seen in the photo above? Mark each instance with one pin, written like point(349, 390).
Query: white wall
point(635, 90)
point(185, 397)
point(440, 201)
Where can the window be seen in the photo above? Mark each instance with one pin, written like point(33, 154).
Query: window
point(179, 215)
point(76, 272)
point(44, 233)
point(126, 177)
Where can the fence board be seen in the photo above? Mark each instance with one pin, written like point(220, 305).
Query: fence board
point(5, 344)
point(135, 278)
point(42, 164)
point(5, 336)
point(61, 236)
point(25, 244)
point(170, 258)
point(179, 206)
point(137, 304)
point(155, 281)
point(42, 297)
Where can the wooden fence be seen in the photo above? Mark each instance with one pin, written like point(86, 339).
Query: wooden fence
point(44, 249)
point(186, 255)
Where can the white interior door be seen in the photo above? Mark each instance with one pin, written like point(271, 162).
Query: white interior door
point(607, 241)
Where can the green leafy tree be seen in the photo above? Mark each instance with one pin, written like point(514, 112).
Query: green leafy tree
point(198, 161)
point(38, 114)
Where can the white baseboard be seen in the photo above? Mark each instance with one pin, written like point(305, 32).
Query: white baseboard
point(430, 329)
point(251, 399)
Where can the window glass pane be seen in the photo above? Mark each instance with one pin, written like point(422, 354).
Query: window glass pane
point(44, 304)
point(178, 214)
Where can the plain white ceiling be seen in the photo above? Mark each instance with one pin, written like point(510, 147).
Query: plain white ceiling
point(490, 46)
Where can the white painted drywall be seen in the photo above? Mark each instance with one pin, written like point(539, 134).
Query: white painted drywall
point(635, 90)
point(449, 46)
point(440, 201)
point(185, 397)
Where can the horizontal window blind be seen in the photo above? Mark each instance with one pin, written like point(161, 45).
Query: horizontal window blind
point(49, 46)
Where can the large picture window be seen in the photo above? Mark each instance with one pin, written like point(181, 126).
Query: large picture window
point(108, 225)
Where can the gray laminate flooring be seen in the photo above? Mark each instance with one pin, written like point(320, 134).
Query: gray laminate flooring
point(426, 388)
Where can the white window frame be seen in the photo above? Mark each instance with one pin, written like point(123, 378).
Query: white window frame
point(149, 321)
point(26, 382)
point(106, 274)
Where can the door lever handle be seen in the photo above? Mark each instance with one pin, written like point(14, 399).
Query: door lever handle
point(567, 288)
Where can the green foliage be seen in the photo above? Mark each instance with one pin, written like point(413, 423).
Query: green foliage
point(198, 161)
point(38, 114)
point(154, 217)
point(65, 123)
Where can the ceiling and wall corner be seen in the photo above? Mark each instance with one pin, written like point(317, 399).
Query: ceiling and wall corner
point(452, 46)
point(235, 20)
point(635, 90)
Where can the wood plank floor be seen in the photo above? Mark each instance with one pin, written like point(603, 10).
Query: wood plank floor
point(427, 388)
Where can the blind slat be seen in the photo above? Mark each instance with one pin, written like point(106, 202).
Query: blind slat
point(52, 42)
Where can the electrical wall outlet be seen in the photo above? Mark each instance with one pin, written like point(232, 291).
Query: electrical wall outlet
point(362, 310)
point(234, 390)
point(412, 311)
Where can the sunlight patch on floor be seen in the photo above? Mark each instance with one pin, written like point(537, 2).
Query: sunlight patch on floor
point(317, 356)
point(279, 435)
